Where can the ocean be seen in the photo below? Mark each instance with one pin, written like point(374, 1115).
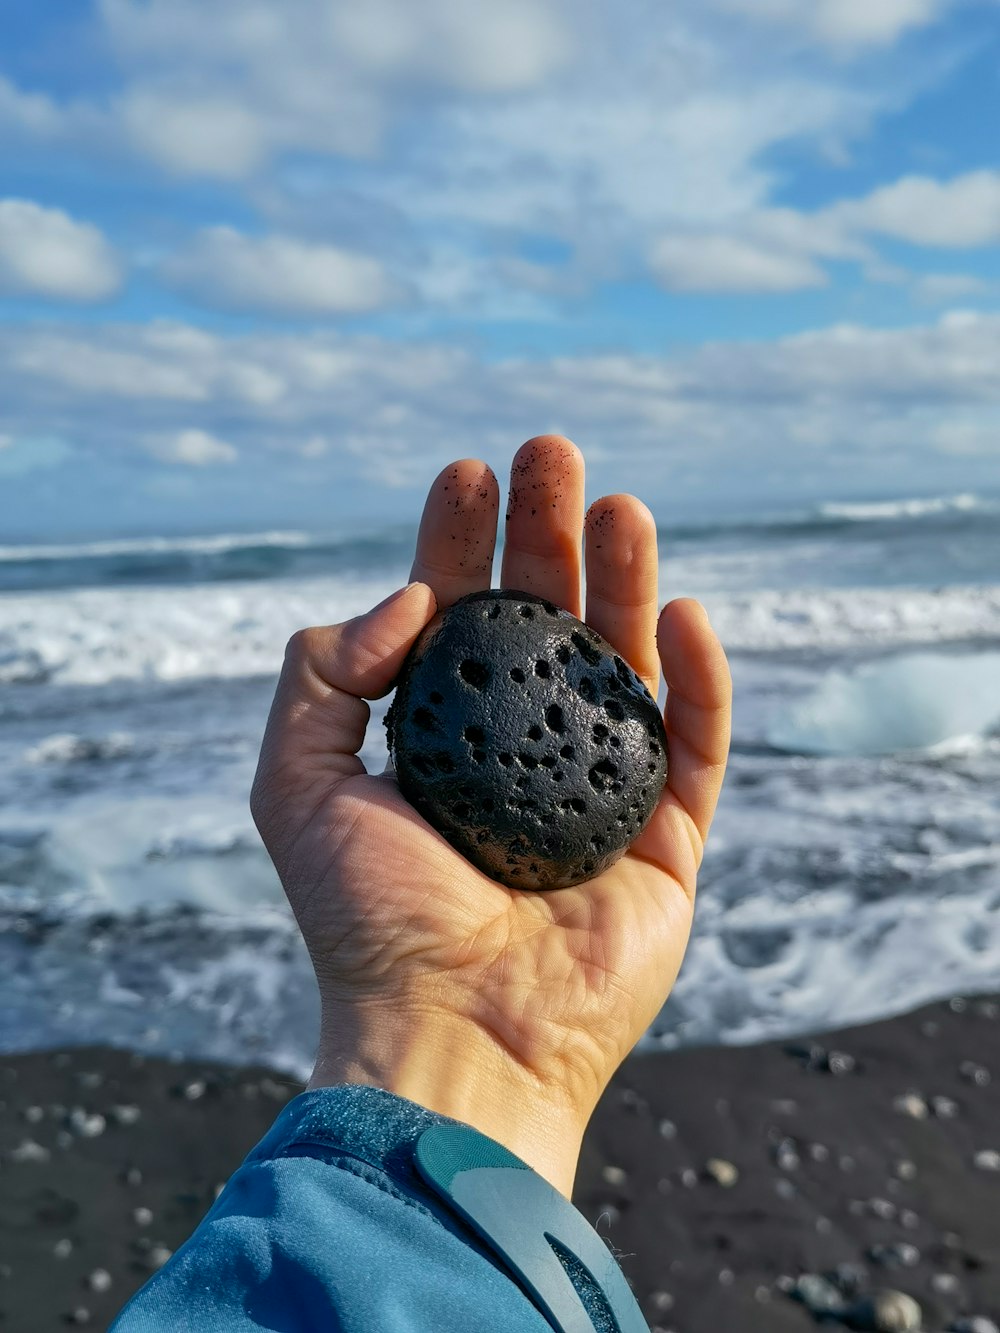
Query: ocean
point(853, 871)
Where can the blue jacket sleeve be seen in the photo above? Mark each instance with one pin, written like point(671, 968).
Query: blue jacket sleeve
point(328, 1226)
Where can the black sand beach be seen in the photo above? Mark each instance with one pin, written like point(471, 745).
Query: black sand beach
point(730, 1180)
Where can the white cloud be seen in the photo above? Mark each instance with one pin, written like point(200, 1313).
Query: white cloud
point(530, 115)
point(280, 274)
point(201, 135)
point(970, 438)
point(44, 252)
point(774, 249)
point(217, 91)
point(961, 213)
point(844, 23)
point(31, 113)
point(945, 287)
point(872, 22)
point(728, 264)
point(839, 409)
point(193, 448)
point(454, 43)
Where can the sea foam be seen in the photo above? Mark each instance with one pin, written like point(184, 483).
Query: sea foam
point(913, 701)
point(91, 636)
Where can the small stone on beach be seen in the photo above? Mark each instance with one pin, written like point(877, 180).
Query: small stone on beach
point(945, 1108)
point(974, 1073)
point(784, 1106)
point(911, 1104)
point(897, 1254)
point(945, 1284)
point(158, 1256)
point(126, 1114)
point(99, 1280)
point(29, 1151)
point(888, 1312)
point(818, 1295)
point(722, 1172)
point(85, 1125)
point(987, 1159)
point(840, 1062)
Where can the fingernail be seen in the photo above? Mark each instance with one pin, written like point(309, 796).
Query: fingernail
point(394, 597)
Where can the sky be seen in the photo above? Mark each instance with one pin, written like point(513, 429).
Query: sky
point(273, 263)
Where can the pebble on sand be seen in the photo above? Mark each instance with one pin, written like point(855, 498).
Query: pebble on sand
point(911, 1104)
point(99, 1280)
point(158, 1256)
point(974, 1073)
point(722, 1172)
point(127, 1114)
point(888, 1312)
point(29, 1151)
point(85, 1124)
point(987, 1159)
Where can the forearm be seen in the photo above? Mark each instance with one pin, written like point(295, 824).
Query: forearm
point(453, 1067)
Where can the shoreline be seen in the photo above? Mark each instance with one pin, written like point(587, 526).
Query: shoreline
point(722, 1176)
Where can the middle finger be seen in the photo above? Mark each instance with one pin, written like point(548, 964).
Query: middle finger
point(544, 521)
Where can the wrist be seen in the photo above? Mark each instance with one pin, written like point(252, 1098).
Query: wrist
point(450, 1065)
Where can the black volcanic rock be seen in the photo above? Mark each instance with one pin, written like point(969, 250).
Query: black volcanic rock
point(526, 740)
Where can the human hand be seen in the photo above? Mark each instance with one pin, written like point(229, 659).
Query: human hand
point(508, 1010)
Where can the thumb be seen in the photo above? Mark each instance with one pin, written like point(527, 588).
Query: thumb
point(319, 715)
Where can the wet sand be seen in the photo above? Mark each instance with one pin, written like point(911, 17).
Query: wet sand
point(746, 1190)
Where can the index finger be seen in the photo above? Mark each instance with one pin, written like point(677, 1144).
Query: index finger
point(458, 532)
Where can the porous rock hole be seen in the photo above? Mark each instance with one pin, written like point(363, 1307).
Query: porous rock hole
point(602, 774)
point(585, 648)
point(474, 673)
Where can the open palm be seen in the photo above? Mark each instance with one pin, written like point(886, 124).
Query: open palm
point(554, 988)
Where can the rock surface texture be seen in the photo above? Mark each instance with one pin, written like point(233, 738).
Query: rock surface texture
point(526, 740)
